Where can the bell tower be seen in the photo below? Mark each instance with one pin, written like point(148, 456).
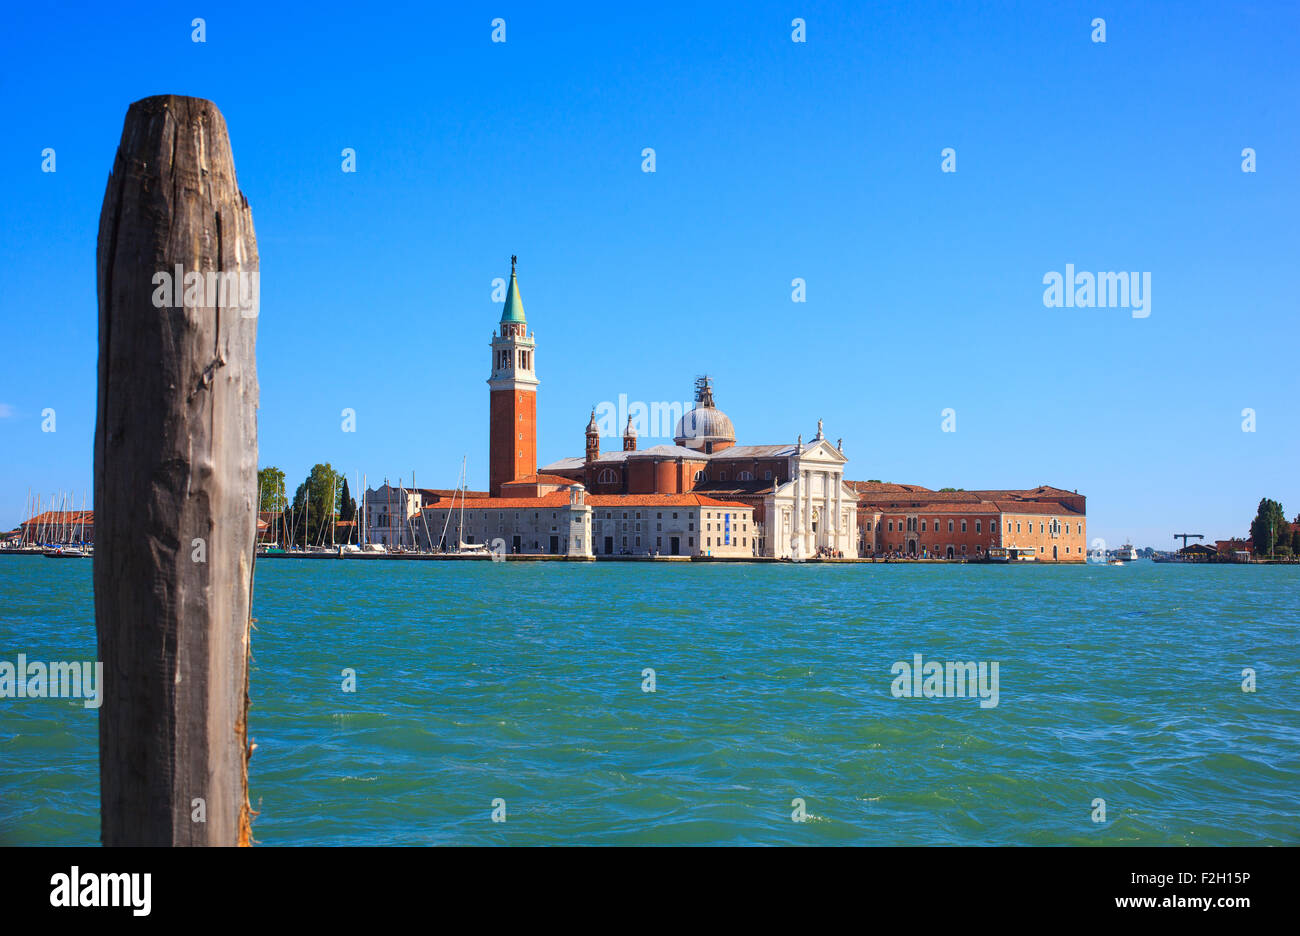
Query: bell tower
point(513, 437)
point(593, 438)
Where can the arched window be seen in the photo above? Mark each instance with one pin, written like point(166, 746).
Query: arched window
point(699, 475)
point(607, 476)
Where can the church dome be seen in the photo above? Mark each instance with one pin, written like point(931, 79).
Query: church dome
point(702, 425)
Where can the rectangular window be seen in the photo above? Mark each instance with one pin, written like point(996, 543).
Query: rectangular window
point(977, 526)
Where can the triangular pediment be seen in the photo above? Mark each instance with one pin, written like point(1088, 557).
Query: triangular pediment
point(821, 450)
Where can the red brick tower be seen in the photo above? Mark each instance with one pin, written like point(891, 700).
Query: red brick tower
point(513, 438)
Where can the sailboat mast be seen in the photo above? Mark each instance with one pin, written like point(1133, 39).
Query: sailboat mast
point(460, 535)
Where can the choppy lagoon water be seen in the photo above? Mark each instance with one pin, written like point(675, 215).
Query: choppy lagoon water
point(523, 681)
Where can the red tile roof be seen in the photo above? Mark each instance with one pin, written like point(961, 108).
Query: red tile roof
point(549, 501)
point(62, 516)
point(932, 507)
point(541, 478)
point(660, 500)
point(1040, 500)
point(885, 487)
point(1035, 507)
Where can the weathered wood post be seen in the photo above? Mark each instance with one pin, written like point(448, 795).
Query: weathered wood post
point(175, 480)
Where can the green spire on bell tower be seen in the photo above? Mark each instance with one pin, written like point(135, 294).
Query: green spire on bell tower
point(514, 310)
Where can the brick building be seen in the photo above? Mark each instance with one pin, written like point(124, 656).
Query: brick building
point(58, 526)
point(911, 520)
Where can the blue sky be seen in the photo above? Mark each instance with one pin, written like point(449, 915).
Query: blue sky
point(774, 160)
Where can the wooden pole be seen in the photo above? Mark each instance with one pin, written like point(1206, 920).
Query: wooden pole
point(175, 481)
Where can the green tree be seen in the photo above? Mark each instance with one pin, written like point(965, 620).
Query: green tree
point(1268, 526)
point(347, 506)
point(316, 503)
point(270, 481)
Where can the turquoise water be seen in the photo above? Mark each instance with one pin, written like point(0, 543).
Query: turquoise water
point(523, 681)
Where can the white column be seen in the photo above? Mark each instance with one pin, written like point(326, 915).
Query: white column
point(826, 508)
point(839, 512)
point(797, 511)
point(806, 506)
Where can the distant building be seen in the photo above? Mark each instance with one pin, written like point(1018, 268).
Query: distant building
point(1231, 548)
point(703, 495)
point(59, 526)
point(570, 522)
point(911, 520)
point(390, 512)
